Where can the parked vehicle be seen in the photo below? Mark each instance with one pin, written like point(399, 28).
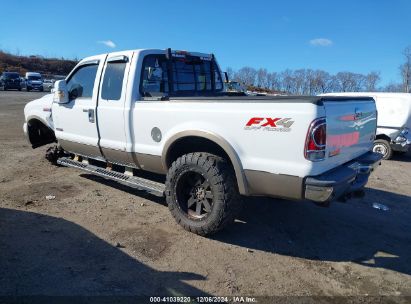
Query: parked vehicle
point(34, 81)
point(117, 115)
point(23, 82)
point(10, 81)
point(394, 121)
point(48, 84)
point(235, 87)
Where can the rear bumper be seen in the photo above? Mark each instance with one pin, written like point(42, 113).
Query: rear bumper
point(347, 178)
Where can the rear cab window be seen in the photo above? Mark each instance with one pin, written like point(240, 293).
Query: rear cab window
point(181, 75)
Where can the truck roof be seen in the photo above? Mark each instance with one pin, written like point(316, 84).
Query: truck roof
point(154, 51)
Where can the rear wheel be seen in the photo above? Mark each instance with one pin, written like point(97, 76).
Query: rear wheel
point(201, 193)
point(383, 147)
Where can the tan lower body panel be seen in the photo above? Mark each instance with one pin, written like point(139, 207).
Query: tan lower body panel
point(142, 161)
point(278, 185)
point(81, 149)
point(120, 157)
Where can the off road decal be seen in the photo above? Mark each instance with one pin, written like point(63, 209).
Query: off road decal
point(269, 124)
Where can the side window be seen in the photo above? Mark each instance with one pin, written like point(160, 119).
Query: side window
point(82, 81)
point(113, 80)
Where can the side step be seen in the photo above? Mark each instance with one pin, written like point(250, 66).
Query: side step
point(128, 180)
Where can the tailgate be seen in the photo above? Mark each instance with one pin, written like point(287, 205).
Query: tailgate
point(351, 125)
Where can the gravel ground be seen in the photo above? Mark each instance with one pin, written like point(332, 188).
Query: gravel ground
point(100, 238)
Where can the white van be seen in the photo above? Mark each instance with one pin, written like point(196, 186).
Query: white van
point(394, 121)
point(34, 81)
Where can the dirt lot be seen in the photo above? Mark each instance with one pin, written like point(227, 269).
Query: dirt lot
point(99, 238)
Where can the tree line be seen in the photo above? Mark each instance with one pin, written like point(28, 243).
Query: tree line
point(313, 82)
point(23, 64)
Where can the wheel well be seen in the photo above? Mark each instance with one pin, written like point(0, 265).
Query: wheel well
point(192, 144)
point(383, 136)
point(39, 134)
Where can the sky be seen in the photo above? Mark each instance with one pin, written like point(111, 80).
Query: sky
point(346, 35)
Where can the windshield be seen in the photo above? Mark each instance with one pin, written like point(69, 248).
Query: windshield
point(34, 77)
point(11, 75)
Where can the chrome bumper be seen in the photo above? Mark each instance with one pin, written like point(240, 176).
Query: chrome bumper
point(342, 180)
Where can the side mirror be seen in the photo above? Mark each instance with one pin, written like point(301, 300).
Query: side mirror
point(60, 92)
point(75, 92)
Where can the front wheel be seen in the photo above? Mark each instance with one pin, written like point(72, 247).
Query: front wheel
point(383, 147)
point(201, 193)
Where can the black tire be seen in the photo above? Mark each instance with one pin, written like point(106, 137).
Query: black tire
point(383, 147)
point(53, 154)
point(207, 183)
point(41, 89)
point(28, 89)
point(19, 89)
point(4, 88)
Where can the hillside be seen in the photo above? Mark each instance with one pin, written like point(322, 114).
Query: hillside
point(45, 66)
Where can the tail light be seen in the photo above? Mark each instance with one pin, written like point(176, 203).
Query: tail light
point(315, 142)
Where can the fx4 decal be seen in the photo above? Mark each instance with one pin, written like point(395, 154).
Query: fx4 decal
point(269, 124)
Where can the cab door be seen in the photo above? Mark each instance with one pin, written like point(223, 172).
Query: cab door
point(112, 110)
point(75, 122)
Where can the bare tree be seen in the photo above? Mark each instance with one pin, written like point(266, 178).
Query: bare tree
point(371, 81)
point(287, 81)
point(394, 87)
point(246, 75)
point(230, 73)
point(323, 82)
point(349, 82)
point(405, 69)
point(262, 81)
point(274, 81)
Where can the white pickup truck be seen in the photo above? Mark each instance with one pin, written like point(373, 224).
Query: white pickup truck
point(123, 114)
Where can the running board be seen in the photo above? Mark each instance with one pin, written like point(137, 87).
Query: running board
point(128, 180)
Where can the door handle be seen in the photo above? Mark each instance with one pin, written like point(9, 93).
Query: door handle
point(90, 114)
